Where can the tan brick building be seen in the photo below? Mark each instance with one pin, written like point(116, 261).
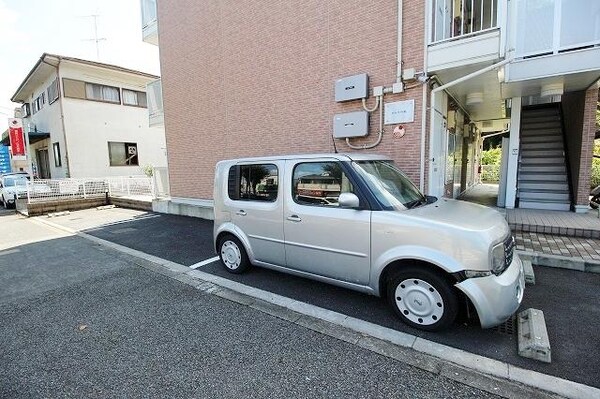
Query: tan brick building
point(252, 78)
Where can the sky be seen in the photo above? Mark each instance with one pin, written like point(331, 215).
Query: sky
point(29, 28)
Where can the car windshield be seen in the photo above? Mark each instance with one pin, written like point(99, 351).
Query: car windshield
point(391, 186)
point(10, 181)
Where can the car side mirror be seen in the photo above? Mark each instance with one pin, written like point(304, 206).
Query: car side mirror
point(348, 200)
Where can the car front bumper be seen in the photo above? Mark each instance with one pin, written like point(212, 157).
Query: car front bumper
point(496, 298)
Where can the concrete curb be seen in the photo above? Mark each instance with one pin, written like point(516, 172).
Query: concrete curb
point(561, 262)
point(484, 373)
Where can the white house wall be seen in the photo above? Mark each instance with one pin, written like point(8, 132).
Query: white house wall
point(48, 120)
point(90, 125)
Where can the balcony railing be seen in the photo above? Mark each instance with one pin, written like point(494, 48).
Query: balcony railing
point(458, 18)
point(155, 103)
point(553, 26)
point(148, 12)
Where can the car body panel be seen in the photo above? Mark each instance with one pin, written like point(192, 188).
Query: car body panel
point(352, 247)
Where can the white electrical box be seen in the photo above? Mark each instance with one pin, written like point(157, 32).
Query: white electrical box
point(399, 112)
point(351, 124)
point(352, 87)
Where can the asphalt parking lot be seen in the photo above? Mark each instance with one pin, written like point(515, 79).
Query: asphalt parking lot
point(78, 319)
point(569, 299)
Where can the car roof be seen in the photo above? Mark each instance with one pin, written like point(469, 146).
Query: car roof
point(14, 174)
point(338, 156)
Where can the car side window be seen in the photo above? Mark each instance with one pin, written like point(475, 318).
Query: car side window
point(258, 182)
point(319, 183)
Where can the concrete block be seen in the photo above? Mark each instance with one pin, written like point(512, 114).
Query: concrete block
point(57, 214)
point(104, 207)
point(528, 270)
point(533, 336)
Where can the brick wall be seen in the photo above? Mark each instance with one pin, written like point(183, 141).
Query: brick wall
point(587, 145)
point(251, 78)
point(573, 106)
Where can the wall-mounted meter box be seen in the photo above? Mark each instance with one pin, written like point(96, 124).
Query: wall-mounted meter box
point(351, 124)
point(352, 87)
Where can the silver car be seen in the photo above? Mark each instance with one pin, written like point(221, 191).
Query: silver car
point(358, 222)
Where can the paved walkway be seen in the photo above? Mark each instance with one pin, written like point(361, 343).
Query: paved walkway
point(587, 249)
point(566, 235)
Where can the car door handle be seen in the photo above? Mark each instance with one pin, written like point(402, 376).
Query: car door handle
point(294, 218)
point(241, 212)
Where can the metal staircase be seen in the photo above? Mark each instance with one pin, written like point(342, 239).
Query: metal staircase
point(542, 179)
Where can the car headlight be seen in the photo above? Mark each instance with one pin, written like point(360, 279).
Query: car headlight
point(498, 261)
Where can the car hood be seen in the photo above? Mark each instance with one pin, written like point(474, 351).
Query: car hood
point(465, 216)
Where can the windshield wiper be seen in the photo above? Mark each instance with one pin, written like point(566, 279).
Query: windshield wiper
point(415, 203)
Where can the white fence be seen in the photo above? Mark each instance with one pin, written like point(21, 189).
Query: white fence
point(67, 189)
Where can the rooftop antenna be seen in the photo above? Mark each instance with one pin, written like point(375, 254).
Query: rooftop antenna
point(96, 39)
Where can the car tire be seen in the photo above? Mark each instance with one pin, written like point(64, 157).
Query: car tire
point(233, 255)
point(422, 298)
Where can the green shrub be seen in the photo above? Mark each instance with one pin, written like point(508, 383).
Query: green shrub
point(491, 157)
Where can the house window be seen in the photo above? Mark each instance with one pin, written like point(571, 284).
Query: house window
point(98, 92)
point(132, 97)
point(39, 102)
point(122, 154)
point(56, 151)
point(53, 92)
point(253, 182)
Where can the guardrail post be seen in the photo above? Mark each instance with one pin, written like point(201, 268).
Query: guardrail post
point(84, 196)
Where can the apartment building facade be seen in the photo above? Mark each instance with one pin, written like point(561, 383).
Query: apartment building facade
point(87, 119)
point(423, 82)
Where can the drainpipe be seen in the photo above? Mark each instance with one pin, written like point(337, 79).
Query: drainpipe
point(62, 116)
point(424, 100)
point(443, 87)
point(399, 45)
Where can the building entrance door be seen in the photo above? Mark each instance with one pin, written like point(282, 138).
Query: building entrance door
point(43, 163)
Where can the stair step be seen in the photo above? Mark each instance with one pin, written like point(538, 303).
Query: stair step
point(542, 177)
point(541, 111)
point(552, 145)
point(542, 169)
point(539, 117)
point(549, 206)
point(541, 139)
point(542, 152)
point(536, 186)
point(540, 125)
point(541, 195)
point(528, 132)
point(542, 161)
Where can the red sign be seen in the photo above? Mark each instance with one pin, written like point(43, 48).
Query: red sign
point(17, 139)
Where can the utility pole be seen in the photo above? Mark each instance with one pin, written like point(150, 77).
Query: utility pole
point(96, 39)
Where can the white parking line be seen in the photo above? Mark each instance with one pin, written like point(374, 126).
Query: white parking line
point(204, 262)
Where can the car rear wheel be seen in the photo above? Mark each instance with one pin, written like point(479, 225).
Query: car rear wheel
point(422, 299)
point(233, 255)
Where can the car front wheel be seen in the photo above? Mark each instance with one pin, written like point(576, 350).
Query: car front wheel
point(233, 255)
point(422, 298)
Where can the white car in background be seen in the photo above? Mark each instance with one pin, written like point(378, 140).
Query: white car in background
point(15, 184)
